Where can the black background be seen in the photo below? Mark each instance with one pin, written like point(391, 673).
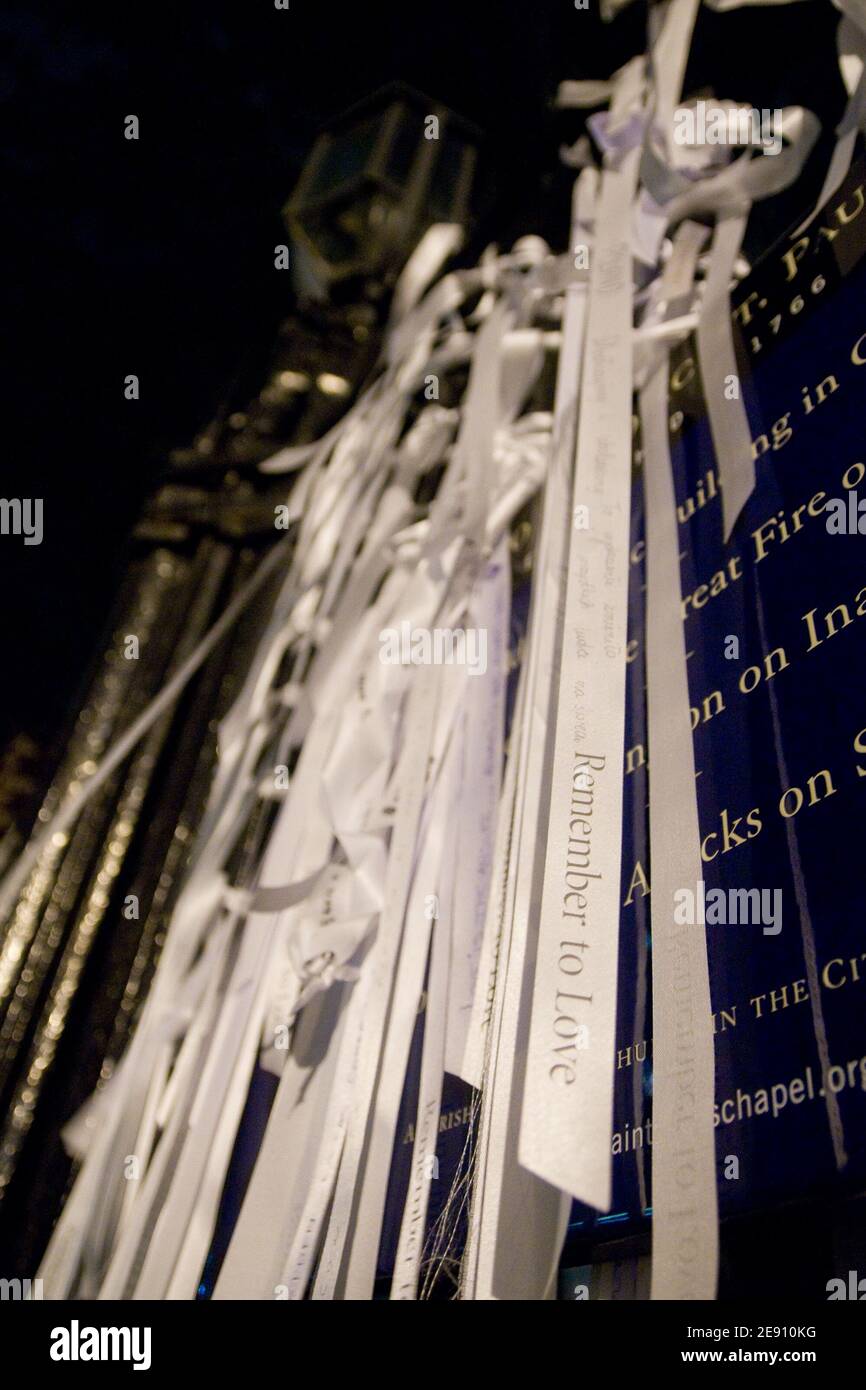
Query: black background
point(155, 257)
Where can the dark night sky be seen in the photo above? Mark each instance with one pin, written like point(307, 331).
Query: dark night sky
point(156, 257)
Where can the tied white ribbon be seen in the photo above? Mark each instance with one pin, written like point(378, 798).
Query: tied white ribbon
point(390, 800)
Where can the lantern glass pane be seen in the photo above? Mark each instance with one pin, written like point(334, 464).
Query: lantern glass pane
point(345, 157)
point(404, 146)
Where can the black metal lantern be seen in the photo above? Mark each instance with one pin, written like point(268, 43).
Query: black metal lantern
point(374, 181)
